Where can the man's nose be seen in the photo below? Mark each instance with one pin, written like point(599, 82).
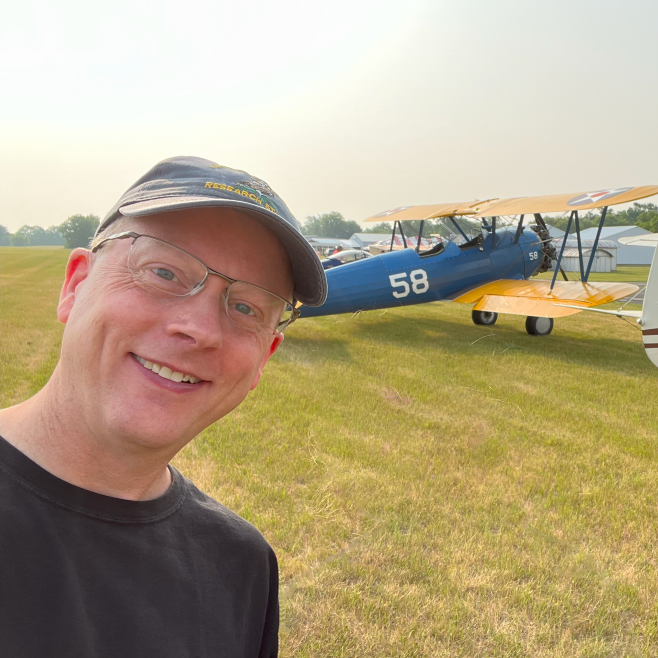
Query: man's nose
point(200, 318)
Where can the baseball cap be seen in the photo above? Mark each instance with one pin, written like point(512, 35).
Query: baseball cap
point(185, 182)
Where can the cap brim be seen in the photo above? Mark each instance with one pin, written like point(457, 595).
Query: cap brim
point(309, 277)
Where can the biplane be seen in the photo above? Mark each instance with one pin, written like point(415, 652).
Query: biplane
point(485, 256)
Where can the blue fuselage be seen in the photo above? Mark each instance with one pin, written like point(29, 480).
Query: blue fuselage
point(401, 278)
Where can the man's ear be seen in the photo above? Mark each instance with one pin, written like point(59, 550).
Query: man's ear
point(276, 343)
point(77, 270)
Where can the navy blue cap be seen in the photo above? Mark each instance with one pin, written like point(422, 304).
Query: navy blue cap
point(186, 182)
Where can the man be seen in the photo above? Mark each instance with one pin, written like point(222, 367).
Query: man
point(106, 550)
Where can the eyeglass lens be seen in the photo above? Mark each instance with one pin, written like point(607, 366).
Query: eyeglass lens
point(157, 265)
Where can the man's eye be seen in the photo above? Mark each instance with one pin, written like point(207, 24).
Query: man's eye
point(243, 308)
point(167, 275)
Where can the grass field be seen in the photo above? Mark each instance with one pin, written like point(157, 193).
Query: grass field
point(431, 488)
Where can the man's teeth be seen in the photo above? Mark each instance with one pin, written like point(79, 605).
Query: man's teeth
point(167, 373)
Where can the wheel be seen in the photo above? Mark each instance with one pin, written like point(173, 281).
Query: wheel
point(487, 318)
point(538, 326)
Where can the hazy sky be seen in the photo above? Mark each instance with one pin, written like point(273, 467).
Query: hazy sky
point(355, 106)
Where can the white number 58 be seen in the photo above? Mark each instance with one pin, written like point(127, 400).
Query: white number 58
point(419, 283)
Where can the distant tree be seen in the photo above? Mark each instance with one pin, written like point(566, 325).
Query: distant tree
point(78, 230)
point(586, 220)
point(53, 237)
point(639, 214)
point(382, 227)
point(34, 235)
point(648, 220)
point(644, 215)
point(31, 236)
point(330, 225)
point(614, 218)
point(18, 240)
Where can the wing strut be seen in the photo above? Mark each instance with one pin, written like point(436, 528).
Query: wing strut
point(580, 246)
point(519, 230)
point(564, 243)
point(420, 235)
point(397, 223)
point(596, 244)
point(404, 239)
point(458, 227)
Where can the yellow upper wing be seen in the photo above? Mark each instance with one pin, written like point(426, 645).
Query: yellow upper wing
point(566, 202)
point(521, 205)
point(535, 298)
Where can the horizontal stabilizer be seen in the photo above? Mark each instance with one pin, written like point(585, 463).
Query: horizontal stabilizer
point(535, 298)
point(648, 240)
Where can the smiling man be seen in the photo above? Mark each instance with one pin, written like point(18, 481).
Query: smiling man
point(105, 549)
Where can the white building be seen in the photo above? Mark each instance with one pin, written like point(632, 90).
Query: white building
point(364, 240)
point(605, 260)
point(626, 255)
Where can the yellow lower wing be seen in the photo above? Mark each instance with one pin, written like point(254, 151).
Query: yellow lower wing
point(535, 298)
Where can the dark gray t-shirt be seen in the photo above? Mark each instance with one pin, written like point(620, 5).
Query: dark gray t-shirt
point(89, 576)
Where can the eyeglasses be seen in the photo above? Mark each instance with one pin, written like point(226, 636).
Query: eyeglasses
point(159, 265)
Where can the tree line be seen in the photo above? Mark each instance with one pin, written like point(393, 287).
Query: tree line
point(76, 231)
point(334, 225)
point(644, 215)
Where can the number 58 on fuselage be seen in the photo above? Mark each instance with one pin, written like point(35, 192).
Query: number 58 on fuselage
point(404, 277)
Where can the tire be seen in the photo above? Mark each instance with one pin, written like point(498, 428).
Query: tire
point(538, 326)
point(487, 318)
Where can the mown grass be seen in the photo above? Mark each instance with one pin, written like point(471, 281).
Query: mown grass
point(431, 488)
point(30, 335)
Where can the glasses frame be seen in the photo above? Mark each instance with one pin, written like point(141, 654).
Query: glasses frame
point(199, 286)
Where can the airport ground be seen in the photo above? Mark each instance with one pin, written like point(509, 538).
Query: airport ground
point(431, 488)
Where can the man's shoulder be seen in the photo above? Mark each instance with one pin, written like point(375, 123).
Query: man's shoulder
point(207, 516)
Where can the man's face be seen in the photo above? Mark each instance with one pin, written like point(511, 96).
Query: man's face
point(111, 321)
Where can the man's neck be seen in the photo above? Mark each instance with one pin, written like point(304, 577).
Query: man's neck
point(58, 441)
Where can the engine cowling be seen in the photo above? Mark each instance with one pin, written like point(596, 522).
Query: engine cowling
point(548, 250)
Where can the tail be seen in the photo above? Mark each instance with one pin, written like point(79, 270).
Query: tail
point(649, 319)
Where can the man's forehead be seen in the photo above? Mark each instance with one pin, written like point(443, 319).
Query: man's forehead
point(211, 229)
point(223, 238)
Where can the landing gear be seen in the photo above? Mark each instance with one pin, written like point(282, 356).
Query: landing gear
point(538, 326)
point(487, 318)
